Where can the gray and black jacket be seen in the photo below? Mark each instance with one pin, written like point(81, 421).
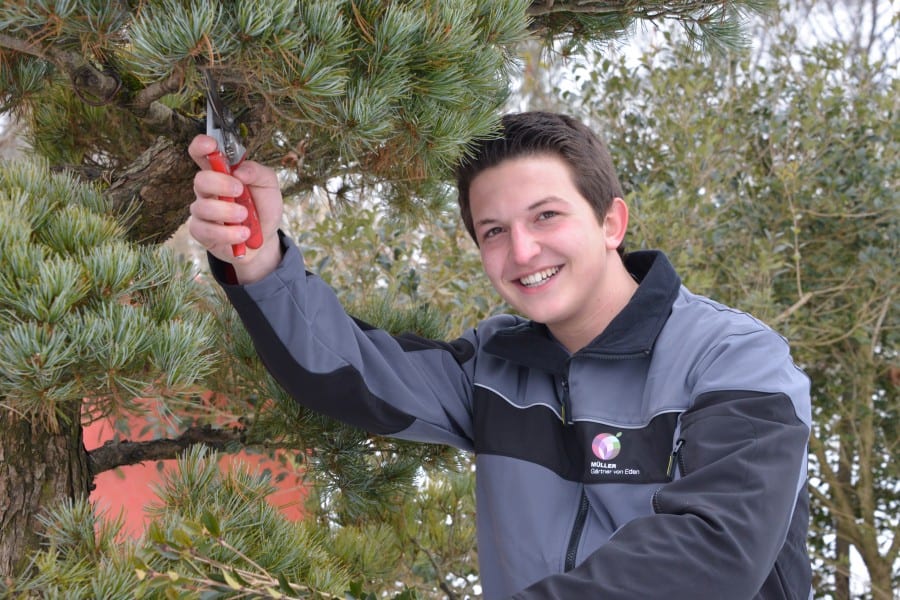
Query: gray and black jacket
point(667, 459)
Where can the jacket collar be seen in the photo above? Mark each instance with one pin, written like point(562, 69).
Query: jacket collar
point(631, 333)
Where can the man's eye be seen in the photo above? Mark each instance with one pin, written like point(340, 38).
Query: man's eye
point(491, 232)
point(547, 214)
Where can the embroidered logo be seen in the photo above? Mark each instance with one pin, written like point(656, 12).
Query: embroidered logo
point(606, 446)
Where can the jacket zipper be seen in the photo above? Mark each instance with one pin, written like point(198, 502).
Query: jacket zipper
point(584, 504)
point(566, 405)
point(626, 356)
point(577, 529)
point(675, 459)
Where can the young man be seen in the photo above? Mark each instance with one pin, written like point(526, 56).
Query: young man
point(633, 440)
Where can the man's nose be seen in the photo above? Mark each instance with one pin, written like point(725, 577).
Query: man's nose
point(524, 245)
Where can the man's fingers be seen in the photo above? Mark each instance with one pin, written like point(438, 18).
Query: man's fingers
point(256, 176)
point(249, 172)
point(200, 147)
point(218, 211)
point(210, 184)
point(216, 221)
point(213, 235)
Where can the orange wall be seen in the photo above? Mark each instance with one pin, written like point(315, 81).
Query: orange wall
point(129, 489)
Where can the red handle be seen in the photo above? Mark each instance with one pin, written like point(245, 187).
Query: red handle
point(220, 164)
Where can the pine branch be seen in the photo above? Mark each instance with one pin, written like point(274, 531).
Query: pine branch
point(117, 454)
point(441, 576)
point(104, 87)
point(684, 9)
point(712, 23)
point(20, 45)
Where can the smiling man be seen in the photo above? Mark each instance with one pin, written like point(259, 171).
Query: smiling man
point(545, 251)
point(632, 439)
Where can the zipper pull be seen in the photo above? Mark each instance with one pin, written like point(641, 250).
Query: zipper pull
point(673, 459)
point(566, 404)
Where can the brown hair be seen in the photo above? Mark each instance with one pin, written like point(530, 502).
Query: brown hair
point(543, 133)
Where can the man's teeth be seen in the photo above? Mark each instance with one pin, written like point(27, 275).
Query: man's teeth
point(539, 277)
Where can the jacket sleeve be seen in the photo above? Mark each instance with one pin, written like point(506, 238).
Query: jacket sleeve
point(405, 386)
point(717, 530)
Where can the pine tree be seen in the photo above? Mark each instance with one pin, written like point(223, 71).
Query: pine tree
point(366, 90)
point(85, 315)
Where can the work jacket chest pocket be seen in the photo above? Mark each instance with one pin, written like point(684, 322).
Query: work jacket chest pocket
point(628, 455)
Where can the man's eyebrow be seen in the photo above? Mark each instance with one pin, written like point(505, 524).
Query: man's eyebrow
point(543, 201)
point(533, 206)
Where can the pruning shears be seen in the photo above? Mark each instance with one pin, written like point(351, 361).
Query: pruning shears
point(220, 124)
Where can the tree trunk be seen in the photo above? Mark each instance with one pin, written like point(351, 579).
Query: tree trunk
point(159, 181)
point(842, 573)
point(842, 541)
point(880, 578)
point(39, 467)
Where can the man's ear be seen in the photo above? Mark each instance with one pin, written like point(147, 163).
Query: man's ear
point(616, 223)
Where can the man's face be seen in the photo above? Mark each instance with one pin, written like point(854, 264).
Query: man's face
point(541, 244)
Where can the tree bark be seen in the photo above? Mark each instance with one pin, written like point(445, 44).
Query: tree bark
point(880, 578)
point(842, 524)
point(112, 455)
point(39, 467)
point(158, 186)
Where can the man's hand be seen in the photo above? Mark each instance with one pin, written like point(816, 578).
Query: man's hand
point(209, 214)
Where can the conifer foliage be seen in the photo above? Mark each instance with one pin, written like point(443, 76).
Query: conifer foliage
point(84, 314)
point(392, 90)
point(363, 90)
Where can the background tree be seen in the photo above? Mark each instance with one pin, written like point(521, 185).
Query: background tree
point(774, 189)
point(368, 94)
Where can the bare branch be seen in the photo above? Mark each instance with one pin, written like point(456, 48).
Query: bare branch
point(23, 46)
point(148, 96)
point(117, 454)
point(879, 323)
point(646, 10)
point(806, 297)
point(441, 578)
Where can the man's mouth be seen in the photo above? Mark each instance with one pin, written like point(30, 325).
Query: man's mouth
point(536, 279)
